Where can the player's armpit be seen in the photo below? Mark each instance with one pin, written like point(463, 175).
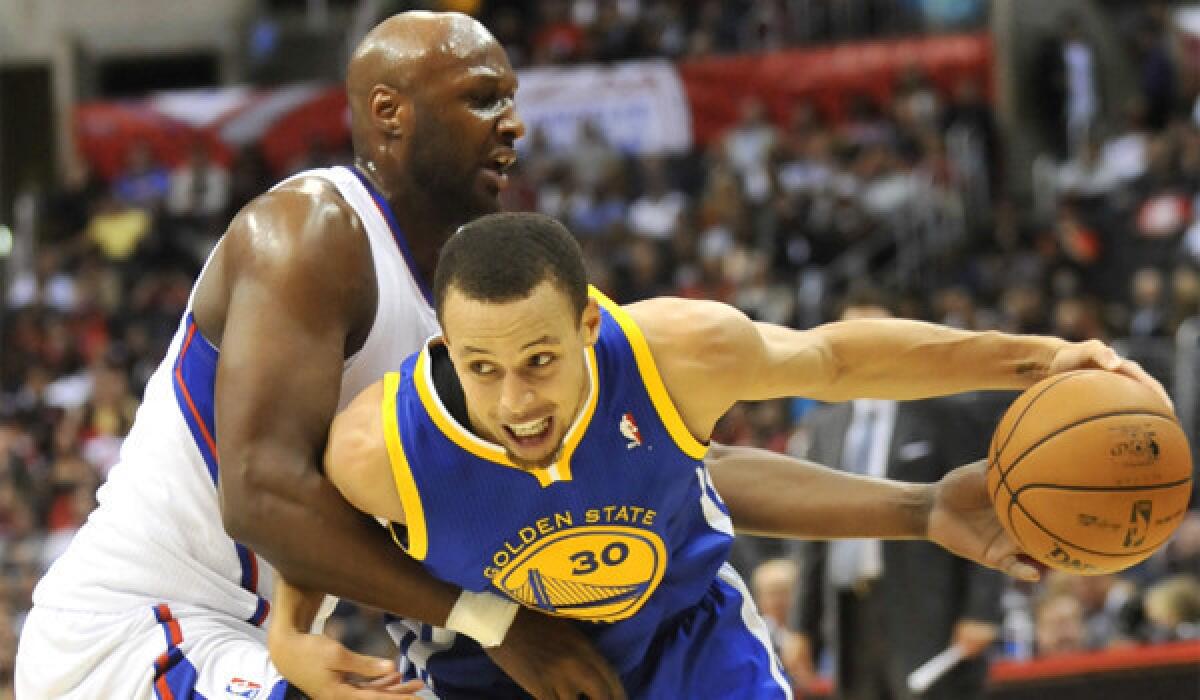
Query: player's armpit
point(357, 459)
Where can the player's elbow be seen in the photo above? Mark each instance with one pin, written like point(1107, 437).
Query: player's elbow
point(239, 513)
point(250, 486)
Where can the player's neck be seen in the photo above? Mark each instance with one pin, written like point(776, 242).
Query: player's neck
point(424, 225)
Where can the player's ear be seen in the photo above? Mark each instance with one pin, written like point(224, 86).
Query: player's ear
point(589, 323)
point(391, 110)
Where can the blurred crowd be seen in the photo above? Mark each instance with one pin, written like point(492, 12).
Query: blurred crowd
point(574, 31)
point(780, 217)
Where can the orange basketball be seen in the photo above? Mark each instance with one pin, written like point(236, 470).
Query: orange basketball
point(1089, 472)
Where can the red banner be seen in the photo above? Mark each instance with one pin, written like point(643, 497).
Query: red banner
point(828, 76)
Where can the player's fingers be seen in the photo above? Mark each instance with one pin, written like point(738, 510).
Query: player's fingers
point(1104, 356)
point(384, 682)
point(607, 675)
point(1134, 371)
point(346, 692)
point(616, 687)
point(348, 661)
point(1013, 565)
point(593, 678)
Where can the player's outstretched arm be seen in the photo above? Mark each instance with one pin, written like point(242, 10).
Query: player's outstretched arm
point(711, 356)
point(774, 495)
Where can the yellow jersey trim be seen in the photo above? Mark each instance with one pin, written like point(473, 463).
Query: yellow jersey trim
point(406, 486)
point(560, 470)
point(667, 412)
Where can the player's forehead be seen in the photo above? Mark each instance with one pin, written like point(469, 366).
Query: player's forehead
point(510, 327)
point(468, 53)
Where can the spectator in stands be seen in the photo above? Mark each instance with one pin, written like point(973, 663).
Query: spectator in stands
point(144, 182)
point(1156, 72)
point(1058, 619)
point(1085, 175)
point(773, 585)
point(1066, 73)
point(748, 145)
point(657, 213)
point(117, 229)
point(592, 159)
point(969, 122)
point(199, 188)
point(1185, 295)
point(1149, 314)
point(1173, 608)
point(612, 35)
point(1103, 600)
point(558, 39)
point(1183, 550)
point(1124, 155)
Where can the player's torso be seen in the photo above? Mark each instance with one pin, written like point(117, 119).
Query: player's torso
point(624, 532)
point(157, 533)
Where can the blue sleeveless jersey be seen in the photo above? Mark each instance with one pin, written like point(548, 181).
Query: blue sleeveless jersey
point(624, 533)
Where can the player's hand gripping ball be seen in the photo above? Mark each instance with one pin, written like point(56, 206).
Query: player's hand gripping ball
point(1089, 471)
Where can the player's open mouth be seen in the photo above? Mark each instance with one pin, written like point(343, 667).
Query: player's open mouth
point(496, 168)
point(530, 433)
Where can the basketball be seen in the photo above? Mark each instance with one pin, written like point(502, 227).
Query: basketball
point(1089, 472)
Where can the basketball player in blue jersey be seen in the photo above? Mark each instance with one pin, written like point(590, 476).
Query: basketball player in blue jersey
point(547, 453)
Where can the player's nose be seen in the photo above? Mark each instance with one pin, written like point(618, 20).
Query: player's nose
point(511, 126)
point(516, 397)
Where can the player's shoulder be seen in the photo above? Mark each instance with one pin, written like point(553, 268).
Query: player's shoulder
point(304, 222)
point(692, 326)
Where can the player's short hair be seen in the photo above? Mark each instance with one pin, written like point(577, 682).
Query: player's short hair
point(503, 257)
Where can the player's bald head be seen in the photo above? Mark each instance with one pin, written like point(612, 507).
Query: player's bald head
point(432, 111)
point(405, 48)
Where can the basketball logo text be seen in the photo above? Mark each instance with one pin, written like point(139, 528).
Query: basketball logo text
point(1139, 523)
point(1133, 445)
point(1064, 558)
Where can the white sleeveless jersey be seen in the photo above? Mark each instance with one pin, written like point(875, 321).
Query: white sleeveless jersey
point(157, 534)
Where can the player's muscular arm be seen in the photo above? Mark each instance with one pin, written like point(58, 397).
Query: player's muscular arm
point(298, 280)
point(711, 356)
point(773, 495)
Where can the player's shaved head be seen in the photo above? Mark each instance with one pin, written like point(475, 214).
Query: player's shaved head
point(407, 49)
point(403, 48)
point(433, 118)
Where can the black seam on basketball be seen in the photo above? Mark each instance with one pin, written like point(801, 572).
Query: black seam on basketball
point(1005, 472)
point(1016, 422)
point(1029, 405)
point(1144, 487)
point(1067, 542)
point(1011, 528)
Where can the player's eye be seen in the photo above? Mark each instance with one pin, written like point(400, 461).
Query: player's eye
point(483, 100)
point(541, 359)
point(483, 369)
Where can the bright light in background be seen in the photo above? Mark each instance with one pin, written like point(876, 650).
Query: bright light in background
point(6, 241)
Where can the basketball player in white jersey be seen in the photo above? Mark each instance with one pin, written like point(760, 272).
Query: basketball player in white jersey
point(317, 289)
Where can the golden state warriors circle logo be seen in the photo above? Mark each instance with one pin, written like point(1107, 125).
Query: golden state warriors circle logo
point(601, 573)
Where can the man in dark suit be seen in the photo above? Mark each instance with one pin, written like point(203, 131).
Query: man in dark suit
point(884, 609)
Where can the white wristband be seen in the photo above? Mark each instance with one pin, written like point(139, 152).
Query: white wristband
point(484, 617)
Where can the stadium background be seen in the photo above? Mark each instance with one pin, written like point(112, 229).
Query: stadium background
point(774, 154)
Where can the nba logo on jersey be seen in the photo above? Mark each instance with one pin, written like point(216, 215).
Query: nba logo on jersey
point(240, 688)
point(629, 428)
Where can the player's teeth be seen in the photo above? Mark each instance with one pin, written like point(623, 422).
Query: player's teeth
point(533, 427)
